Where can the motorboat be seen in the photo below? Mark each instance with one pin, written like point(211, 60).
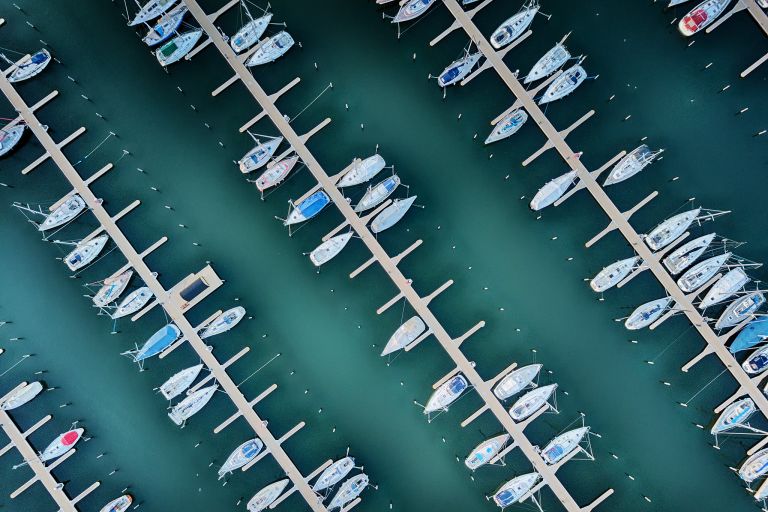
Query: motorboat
point(645, 314)
point(61, 444)
point(634, 162)
point(10, 138)
point(30, 66)
point(150, 11)
point(734, 415)
point(698, 275)
point(412, 9)
point(85, 252)
point(120, 504)
point(511, 492)
point(725, 287)
point(740, 309)
point(362, 171)
point(135, 300)
point(614, 273)
point(241, 456)
point(564, 84)
point(513, 27)
point(516, 381)
point(180, 381)
point(21, 396)
point(548, 63)
point(265, 497)
point(112, 288)
point(271, 49)
point(531, 402)
point(392, 214)
point(224, 322)
point(407, 333)
point(349, 490)
point(559, 448)
point(165, 26)
point(509, 125)
point(175, 49)
point(668, 231)
point(259, 155)
point(328, 250)
point(701, 16)
point(687, 254)
point(276, 173)
point(552, 191)
point(250, 33)
point(376, 195)
point(754, 467)
point(334, 474)
point(191, 405)
point(446, 394)
point(64, 213)
point(458, 69)
point(308, 208)
point(486, 451)
point(754, 333)
point(158, 342)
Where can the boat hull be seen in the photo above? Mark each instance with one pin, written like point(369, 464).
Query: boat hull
point(112, 289)
point(178, 47)
point(85, 253)
point(136, 300)
point(329, 249)
point(362, 171)
point(21, 396)
point(31, 66)
point(271, 49)
point(392, 214)
point(11, 138)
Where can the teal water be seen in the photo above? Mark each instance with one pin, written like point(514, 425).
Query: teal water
point(476, 230)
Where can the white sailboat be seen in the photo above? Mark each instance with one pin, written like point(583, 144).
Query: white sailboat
point(191, 405)
point(612, 275)
point(334, 474)
point(446, 394)
point(362, 171)
point(276, 173)
point(30, 66)
point(166, 26)
point(224, 322)
point(552, 191)
point(10, 138)
point(180, 381)
point(755, 466)
point(250, 33)
point(548, 63)
point(150, 11)
point(637, 160)
point(725, 287)
point(85, 252)
point(645, 314)
point(135, 300)
point(516, 380)
point(405, 334)
point(511, 492)
point(740, 309)
point(687, 254)
point(259, 155)
point(668, 231)
point(61, 445)
point(178, 47)
point(349, 490)
point(21, 396)
point(531, 402)
point(265, 497)
point(513, 27)
point(377, 194)
point(699, 274)
point(112, 288)
point(458, 69)
point(485, 452)
point(562, 445)
point(734, 415)
point(412, 9)
point(564, 84)
point(271, 49)
point(64, 213)
point(328, 250)
point(241, 456)
point(508, 126)
point(392, 214)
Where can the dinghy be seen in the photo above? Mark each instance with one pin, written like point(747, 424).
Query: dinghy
point(271, 49)
point(180, 381)
point(158, 342)
point(308, 208)
point(733, 281)
point(407, 333)
point(548, 63)
point(328, 250)
point(564, 84)
point(613, 274)
point(698, 275)
point(754, 333)
point(21, 396)
point(412, 9)
point(165, 26)
point(458, 69)
point(701, 16)
point(740, 309)
point(30, 66)
point(150, 11)
point(64, 213)
point(552, 191)
point(734, 415)
point(85, 252)
point(223, 322)
point(10, 138)
point(259, 155)
point(241, 456)
point(446, 394)
point(135, 300)
point(112, 288)
point(61, 445)
point(265, 497)
point(511, 492)
point(754, 467)
point(392, 214)
point(334, 474)
point(668, 231)
point(645, 314)
point(175, 49)
point(362, 171)
point(562, 445)
point(191, 405)
point(515, 381)
point(684, 256)
point(637, 160)
point(485, 452)
point(349, 490)
point(120, 504)
point(250, 33)
point(276, 173)
point(514, 26)
point(531, 402)
point(509, 125)
point(378, 194)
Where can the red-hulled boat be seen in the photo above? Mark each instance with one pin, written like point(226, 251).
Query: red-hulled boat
point(701, 16)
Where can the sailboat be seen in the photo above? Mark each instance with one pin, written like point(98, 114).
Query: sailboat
point(259, 155)
point(175, 49)
point(10, 138)
point(180, 381)
point(334, 474)
point(734, 415)
point(61, 445)
point(754, 333)
point(513, 27)
point(241, 456)
point(308, 208)
point(645, 314)
point(376, 195)
point(328, 250)
point(740, 309)
point(250, 33)
point(699, 274)
point(755, 467)
point(637, 160)
point(120, 504)
point(349, 490)
point(165, 26)
point(458, 69)
point(564, 84)
point(516, 381)
point(158, 342)
point(446, 394)
point(513, 490)
point(612, 275)
point(666, 232)
point(531, 402)
point(135, 300)
point(548, 63)
point(559, 448)
point(276, 173)
point(552, 191)
point(485, 452)
point(509, 125)
point(392, 214)
point(733, 281)
point(85, 252)
point(21, 396)
point(30, 66)
point(112, 288)
point(362, 171)
point(150, 11)
point(412, 9)
point(265, 497)
point(224, 322)
point(687, 254)
point(191, 405)
point(65, 212)
point(405, 334)
point(701, 16)
point(271, 49)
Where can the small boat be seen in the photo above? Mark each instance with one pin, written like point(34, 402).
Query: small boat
point(645, 314)
point(740, 309)
point(61, 444)
point(637, 160)
point(334, 474)
point(349, 490)
point(265, 497)
point(701, 16)
point(531, 402)
point(684, 256)
point(512, 491)
point(64, 213)
point(10, 138)
point(276, 173)
point(562, 445)
point(259, 155)
point(250, 33)
point(241, 456)
point(112, 288)
point(405, 334)
point(734, 415)
point(516, 380)
point(328, 250)
point(151, 10)
point(21, 396)
point(733, 281)
point(392, 214)
point(698, 275)
point(191, 405)
point(31, 66)
point(223, 322)
point(271, 49)
point(175, 49)
point(85, 252)
point(308, 208)
point(180, 381)
point(120, 504)
point(446, 394)
point(612, 275)
point(377, 194)
point(135, 300)
point(754, 333)
point(564, 84)
point(166, 26)
point(513, 27)
point(552, 191)
point(548, 63)
point(666, 232)
point(158, 342)
point(509, 125)
point(362, 171)
point(485, 452)
point(412, 9)
point(755, 466)
point(458, 69)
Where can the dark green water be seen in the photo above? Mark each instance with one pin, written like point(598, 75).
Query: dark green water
point(476, 230)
